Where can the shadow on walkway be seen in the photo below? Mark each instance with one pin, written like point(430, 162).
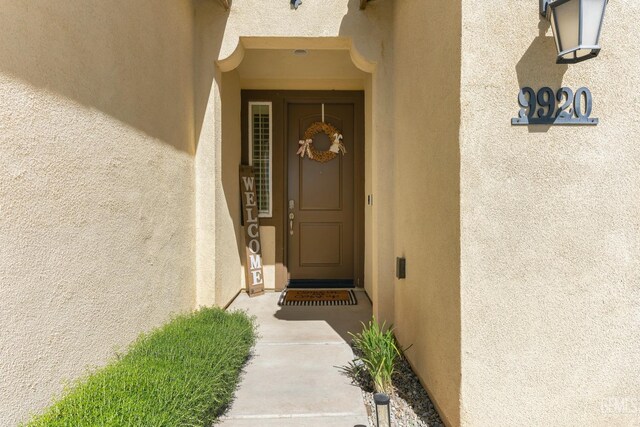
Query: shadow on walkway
point(342, 319)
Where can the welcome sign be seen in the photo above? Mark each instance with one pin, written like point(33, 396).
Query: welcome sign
point(253, 248)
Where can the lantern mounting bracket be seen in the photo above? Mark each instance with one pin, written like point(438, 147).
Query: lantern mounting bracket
point(544, 5)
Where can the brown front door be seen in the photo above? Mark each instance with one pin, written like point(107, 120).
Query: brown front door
point(321, 211)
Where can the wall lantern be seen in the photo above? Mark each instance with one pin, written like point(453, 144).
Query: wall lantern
point(576, 27)
point(383, 410)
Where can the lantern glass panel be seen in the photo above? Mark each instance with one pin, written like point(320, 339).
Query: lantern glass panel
point(383, 416)
point(555, 32)
point(567, 16)
point(592, 11)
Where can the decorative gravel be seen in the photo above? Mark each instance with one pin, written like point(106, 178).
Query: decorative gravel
point(410, 404)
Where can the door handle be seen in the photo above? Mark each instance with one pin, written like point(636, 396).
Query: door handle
point(291, 217)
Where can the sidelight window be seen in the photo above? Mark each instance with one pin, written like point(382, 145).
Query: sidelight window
point(260, 149)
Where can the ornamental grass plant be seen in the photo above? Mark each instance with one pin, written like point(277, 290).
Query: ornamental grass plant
point(378, 353)
point(182, 374)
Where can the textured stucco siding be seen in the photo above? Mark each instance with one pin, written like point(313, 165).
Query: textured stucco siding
point(550, 225)
point(427, 163)
point(229, 237)
point(96, 185)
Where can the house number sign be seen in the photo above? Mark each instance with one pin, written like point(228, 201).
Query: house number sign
point(546, 107)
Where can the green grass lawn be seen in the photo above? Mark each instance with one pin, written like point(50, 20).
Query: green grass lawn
point(182, 374)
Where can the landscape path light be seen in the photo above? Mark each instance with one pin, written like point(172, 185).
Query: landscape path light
point(383, 410)
point(576, 26)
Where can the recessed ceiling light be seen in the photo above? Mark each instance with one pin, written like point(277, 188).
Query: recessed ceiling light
point(300, 52)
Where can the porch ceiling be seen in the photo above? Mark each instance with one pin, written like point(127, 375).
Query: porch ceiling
point(282, 64)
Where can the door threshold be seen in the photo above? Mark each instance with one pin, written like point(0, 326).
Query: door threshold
point(320, 284)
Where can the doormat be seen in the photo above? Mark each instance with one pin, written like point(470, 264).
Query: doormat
point(315, 297)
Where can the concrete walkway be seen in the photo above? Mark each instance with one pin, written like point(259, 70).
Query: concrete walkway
point(293, 378)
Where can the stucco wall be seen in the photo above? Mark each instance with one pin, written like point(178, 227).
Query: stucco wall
point(208, 27)
point(96, 185)
point(229, 272)
point(426, 115)
point(550, 220)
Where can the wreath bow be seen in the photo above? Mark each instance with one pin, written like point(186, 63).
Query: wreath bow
point(337, 145)
point(304, 147)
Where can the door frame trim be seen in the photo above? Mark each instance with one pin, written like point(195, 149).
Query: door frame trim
point(281, 100)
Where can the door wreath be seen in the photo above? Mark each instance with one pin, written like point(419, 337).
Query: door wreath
point(306, 144)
